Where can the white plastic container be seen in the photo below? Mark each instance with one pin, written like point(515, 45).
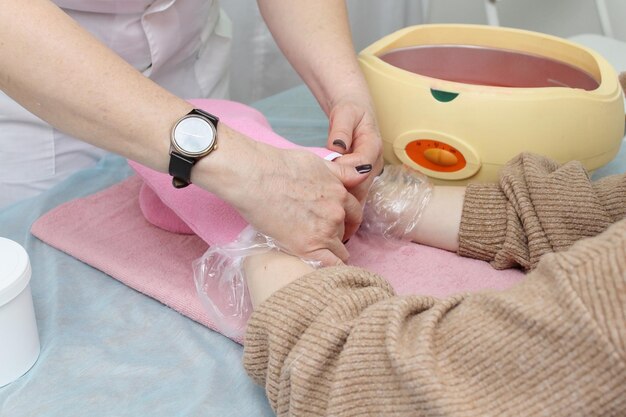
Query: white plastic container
point(19, 340)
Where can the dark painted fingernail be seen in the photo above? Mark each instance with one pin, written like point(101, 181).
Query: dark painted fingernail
point(341, 144)
point(364, 169)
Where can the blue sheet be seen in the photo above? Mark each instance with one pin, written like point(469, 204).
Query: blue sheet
point(107, 350)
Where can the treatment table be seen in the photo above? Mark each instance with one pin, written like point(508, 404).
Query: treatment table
point(107, 350)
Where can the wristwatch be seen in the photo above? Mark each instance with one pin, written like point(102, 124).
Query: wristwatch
point(193, 137)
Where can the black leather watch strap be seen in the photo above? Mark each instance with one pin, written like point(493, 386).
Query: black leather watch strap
point(180, 170)
point(213, 119)
point(181, 164)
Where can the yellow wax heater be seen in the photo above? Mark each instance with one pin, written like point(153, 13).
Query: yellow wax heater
point(456, 102)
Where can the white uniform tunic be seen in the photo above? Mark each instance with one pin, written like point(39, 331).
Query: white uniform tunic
point(182, 45)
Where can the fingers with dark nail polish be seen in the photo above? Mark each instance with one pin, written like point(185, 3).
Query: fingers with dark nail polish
point(364, 169)
point(341, 144)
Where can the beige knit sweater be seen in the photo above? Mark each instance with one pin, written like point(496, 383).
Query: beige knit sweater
point(338, 342)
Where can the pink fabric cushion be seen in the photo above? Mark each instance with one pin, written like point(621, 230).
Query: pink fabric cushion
point(160, 215)
point(192, 210)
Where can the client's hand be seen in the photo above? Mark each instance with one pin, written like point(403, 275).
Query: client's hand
point(234, 278)
point(396, 202)
point(403, 204)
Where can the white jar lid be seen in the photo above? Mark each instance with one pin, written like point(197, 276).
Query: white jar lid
point(14, 270)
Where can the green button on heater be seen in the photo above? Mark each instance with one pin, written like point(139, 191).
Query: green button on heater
point(443, 96)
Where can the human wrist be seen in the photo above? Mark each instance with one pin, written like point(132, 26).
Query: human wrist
point(157, 156)
point(268, 272)
point(224, 171)
point(352, 87)
point(395, 202)
point(441, 219)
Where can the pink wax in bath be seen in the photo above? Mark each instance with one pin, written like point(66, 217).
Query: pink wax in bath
point(489, 66)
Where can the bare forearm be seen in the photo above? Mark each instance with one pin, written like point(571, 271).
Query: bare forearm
point(315, 37)
point(61, 73)
point(269, 272)
point(440, 222)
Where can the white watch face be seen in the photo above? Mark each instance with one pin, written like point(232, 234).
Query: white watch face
point(194, 135)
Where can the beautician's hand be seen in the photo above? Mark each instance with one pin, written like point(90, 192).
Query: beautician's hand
point(299, 201)
point(296, 198)
point(353, 132)
point(315, 38)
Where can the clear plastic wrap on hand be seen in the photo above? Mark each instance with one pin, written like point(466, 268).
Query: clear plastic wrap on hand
point(395, 202)
point(221, 283)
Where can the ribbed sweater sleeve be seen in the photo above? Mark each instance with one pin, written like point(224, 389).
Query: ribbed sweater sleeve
point(538, 207)
point(338, 342)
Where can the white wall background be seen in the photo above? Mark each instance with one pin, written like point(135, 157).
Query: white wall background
point(259, 69)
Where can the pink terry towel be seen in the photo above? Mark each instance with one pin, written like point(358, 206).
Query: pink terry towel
point(108, 231)
point(193, 210)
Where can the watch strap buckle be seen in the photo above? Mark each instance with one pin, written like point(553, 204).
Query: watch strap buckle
point(180, 170)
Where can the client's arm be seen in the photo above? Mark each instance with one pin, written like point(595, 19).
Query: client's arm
point(439, 223)
point(537, 207)
point(268, 272)
point(337, 341)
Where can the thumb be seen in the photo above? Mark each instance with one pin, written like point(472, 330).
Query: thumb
point(326, 258)
point(341, 126)
point(349, 175)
